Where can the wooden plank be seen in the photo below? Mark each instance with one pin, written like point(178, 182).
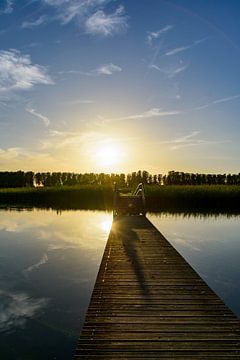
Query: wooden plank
point(148, 303)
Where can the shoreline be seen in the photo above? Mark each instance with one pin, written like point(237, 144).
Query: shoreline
point(170, 198)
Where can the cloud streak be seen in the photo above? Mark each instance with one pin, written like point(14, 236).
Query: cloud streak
point(18, 73)
point(177, 50)
point(31, 24)
point(190, 140)
point(171, 71)
point(218, 101)
point(154, 112)
point(68, 138)
point(226, 99)
point(79, 102)
point(33, 112)
point(105, 69)
point(180, 49)
point(154, 35)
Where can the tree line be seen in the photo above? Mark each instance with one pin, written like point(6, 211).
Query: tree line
point(13, 179)
point(182, 178)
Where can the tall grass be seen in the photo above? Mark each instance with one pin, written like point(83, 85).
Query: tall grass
point(194, 197)
point(213, 198)
point(64, 197)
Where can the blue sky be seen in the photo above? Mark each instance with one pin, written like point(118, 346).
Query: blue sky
point(108, 85)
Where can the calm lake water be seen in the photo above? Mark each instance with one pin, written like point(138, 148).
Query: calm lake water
point(49, 261)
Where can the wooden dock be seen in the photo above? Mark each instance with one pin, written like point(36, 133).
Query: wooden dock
point(148, 303)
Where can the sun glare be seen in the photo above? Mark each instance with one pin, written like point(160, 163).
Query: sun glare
point(109, 155)
point(106, 225)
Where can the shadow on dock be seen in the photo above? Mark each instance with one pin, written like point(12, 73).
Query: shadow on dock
point(132, 247)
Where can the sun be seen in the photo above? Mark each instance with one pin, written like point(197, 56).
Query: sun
point(109, 155)
point(106, 154)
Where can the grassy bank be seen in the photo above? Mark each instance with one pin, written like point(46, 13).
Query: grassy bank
point(214, 198)
point(64, 197)
point(202, 198)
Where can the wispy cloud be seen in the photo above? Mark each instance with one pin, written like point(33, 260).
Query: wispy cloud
point(18, 157)
point(184, 48)
point(226, 99)
point(68, 139)
point(78, 102)
point(15, 155)
point(16, 308)
point(108, 69)
point(101, 23)
point(7, 7)
point(177, 50)
point(33, 112)
point(154, 112)
point(18, 73)
point(68, 10)
point(218, 101)
point(153, 35)
point(105, 69)
point(31, 24)
point(186, 140)
point(190, 140)
point(9, 154)
point(91, 15)
point(170, 72)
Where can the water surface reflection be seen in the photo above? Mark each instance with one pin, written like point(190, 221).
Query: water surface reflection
point(211, 244)
point(49, 261)
point(48, 265)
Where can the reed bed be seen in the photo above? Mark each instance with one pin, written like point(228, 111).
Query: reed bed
point(158, 198)
point(193, 197)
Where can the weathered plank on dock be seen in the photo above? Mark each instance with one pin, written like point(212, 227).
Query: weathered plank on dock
point(148, 303)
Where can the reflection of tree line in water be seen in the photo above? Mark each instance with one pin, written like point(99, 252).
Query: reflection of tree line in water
point(13, 179)
point(172, 198)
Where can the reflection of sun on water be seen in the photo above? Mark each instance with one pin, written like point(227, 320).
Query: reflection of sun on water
point(106, 225)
